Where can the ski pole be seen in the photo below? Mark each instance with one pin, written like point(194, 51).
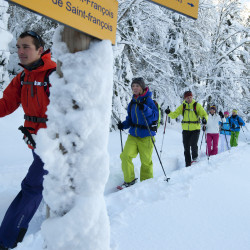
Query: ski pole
point(121, 140)
point(167, 179)
point(202, 139)
point(207, 148)
point(163, 134)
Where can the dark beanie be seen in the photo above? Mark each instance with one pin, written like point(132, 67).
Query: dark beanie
point(187, 94)
point(140, 81)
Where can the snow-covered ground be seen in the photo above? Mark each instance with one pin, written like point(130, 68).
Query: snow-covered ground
point(203, 207)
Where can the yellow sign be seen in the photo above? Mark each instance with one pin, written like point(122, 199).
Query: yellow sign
point(97, 18)
point(187, 7)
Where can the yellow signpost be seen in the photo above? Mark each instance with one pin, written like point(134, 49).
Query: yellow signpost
point(97, 18)
point(186, 7)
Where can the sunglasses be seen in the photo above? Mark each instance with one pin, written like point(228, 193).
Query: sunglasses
point(35, 35)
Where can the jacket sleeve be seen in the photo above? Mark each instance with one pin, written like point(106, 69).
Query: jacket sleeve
point(176, 113)
point(241, 121)
point(150, 110)
point(11, 97)
point(201, 111)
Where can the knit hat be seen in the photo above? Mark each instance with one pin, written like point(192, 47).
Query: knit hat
point(213, 107)
point(140, 81)
point(235, 111)
point(226, 113)
point(187, 94)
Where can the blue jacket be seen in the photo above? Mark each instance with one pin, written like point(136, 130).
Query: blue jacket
point(225, 127)
point(135, 117)
point(236, 122)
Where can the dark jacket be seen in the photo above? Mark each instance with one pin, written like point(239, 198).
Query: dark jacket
point(135, 117)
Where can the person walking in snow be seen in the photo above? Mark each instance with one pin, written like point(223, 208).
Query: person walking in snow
point(213, 130)
point(225, 132)
point(235, 123)
point(191, 112)
point(139, 139)
point(29, 88)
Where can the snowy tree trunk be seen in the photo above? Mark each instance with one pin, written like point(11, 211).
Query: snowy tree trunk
point(5, 38)
point(74, 146)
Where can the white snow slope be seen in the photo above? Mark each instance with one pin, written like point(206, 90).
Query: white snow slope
point(206, 206)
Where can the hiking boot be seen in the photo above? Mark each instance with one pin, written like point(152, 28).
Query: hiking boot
point(127, 184)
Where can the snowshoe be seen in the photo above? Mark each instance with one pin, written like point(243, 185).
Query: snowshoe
point(195, 160)
point(127, 184)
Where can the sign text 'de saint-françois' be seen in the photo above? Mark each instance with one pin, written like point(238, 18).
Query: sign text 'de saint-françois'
point(97, 18)
point(187, 7)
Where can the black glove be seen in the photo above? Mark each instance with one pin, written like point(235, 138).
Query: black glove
point(221, 114)
point(233, 125)
point(141, 106)
point(204, 128)
point(204, 121)
point(120, 126)
point(28, 137)
point(167, 111)
point(240, 123)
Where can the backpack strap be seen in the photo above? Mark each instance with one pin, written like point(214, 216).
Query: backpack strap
point(35, 119)
point(135, 102)
point(46, 84)
point(194, 109)
point(183, 108)
point(154, 124)
point(22, 76)
point(46, 80)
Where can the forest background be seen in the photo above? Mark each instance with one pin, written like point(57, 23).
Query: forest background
point(173, 53)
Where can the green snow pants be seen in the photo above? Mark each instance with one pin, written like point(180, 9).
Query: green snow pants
point(133, 146)
point(234, 138)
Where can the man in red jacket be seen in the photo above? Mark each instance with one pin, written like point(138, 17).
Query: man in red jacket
point(31, 89)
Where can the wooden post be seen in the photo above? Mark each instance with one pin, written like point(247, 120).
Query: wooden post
point(76, 41)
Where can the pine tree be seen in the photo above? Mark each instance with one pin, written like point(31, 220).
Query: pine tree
point(5, 39)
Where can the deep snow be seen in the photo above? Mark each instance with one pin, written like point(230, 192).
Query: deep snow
point(203, 207)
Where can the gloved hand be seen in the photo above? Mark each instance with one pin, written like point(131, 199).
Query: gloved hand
point(204, 128)
point(167, 111)
point(30, 141)
point(204, 121)
point(240, 123)
point(141, 106)
point(28, 137)
point(221, 114)
point(119, 125)
point(233, 125)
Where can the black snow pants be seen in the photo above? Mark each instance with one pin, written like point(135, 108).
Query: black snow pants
point(190, 140)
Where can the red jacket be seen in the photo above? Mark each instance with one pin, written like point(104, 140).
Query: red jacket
point(16, 94)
